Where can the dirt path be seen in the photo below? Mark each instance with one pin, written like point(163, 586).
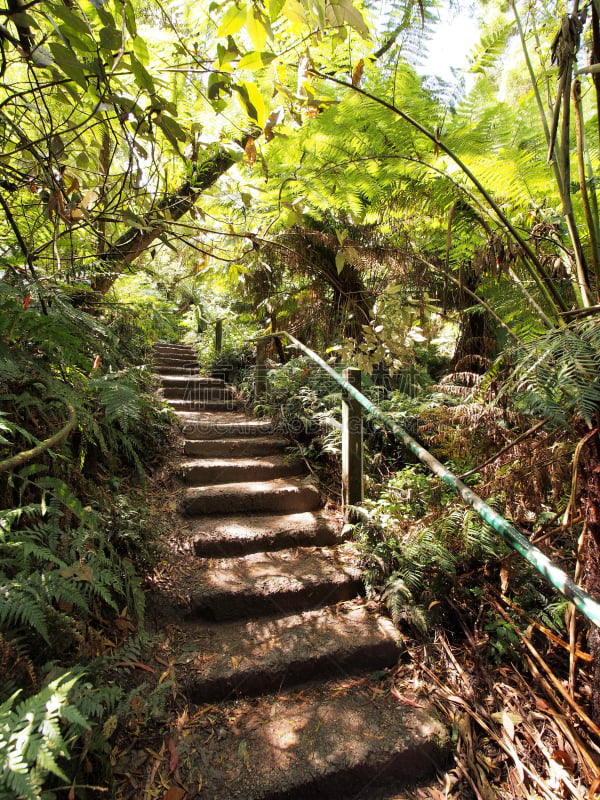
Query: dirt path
point(277, 665)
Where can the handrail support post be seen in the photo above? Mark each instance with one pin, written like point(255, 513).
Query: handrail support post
point(218, 335)
point(352, 446)
point(260, 376)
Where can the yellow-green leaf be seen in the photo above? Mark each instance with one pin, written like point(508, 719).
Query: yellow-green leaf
point(255, 60)
point(253, 102)
point(233, 20)
point(343, 12)
point(72, 20)
point(296, 14)
point(257, 29)
point(140, 48)
point(275, 7)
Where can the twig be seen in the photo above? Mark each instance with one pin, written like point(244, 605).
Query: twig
point(158, 758)
point(551, 676)
point(468, 778)
point(24, 250)
point(504, 745)
point(552, 636)
point(558, 529)
point(563, 776)
point(459, 670)
point(572, 617)
point(506, 447)
point(591, 763)
point(580, 445)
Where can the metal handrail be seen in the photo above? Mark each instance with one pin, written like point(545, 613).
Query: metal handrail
point(583, 601)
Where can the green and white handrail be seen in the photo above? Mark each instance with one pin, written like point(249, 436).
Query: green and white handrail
point(583, 601)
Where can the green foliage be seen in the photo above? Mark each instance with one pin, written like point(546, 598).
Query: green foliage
point(238, 350)
point(504, 641)
point(71, 541)
point(558, 374)
point(300, 398)
point(35, 736)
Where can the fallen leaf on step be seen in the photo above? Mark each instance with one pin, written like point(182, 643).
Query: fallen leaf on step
point(243, 753)
point(173, 757)
point(175, 793)
point(405, 700)
point(565, 760)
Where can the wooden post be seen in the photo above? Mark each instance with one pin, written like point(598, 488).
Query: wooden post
point(219, 335)
point(352, 455)
point(260, 376)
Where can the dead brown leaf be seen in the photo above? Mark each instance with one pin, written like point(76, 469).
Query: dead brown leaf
point(250, 151)
point(173, 756)
point(175, 793)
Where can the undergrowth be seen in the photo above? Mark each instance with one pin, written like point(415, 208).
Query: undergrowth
point(422, 548)
point(78, 426)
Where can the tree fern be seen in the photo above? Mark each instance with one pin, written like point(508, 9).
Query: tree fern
point(490, 48)
point(558, 374)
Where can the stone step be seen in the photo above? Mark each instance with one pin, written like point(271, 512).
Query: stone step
point(335, 740)
point(282, 495)
point(190, 371)
point(175, 361)
point(175, 355)
point(234, 658)
point(240, 470)
point(199, 392)
point(185, 381)
point(187, 369)
point(175, 348)
point(225, 404)
point(229, 536)
point(279, 582)
point(235, 448)
point(208, 425)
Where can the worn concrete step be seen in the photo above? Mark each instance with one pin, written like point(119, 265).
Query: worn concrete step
point(228, 536)
point(175, 361)
point(282, 495)
point(209, 425)
point(190, 371)
point(175, 357)
point(335, 740)
point(174, 348)
point(185, 381)
point(234, 658)
point(226, 404)
point(236, 448)
point(240, 470)
point(199, 392)
point(279, 582)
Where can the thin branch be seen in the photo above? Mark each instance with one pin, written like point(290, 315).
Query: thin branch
point(24, 250)
point(475, 297)
point(16, 461)
point(505, 449)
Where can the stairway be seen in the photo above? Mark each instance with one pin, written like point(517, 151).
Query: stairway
point(265, 621)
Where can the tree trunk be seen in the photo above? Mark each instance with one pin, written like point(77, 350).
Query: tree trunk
point(589, 471)
point(136, 240)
